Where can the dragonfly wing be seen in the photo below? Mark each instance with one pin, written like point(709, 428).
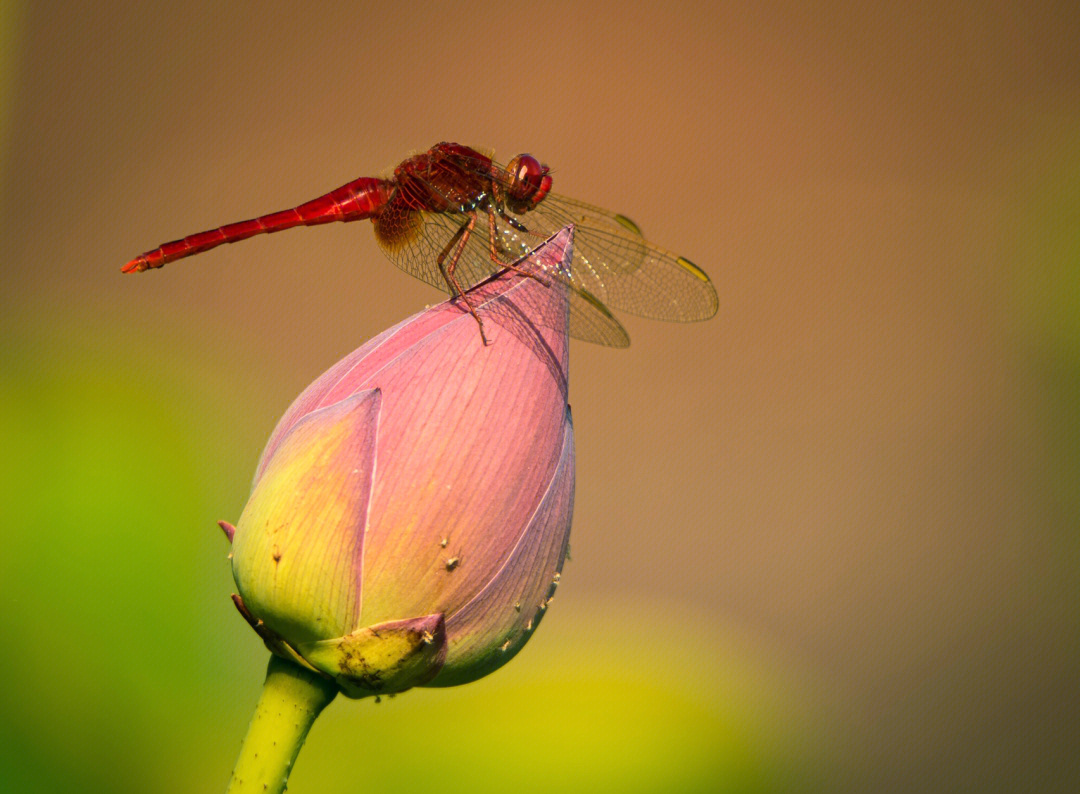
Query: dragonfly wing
point(613, 262)
point(428, 240)
point(590, 320)
point(564, 210)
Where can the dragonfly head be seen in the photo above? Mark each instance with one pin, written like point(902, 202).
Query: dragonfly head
point(529, 182)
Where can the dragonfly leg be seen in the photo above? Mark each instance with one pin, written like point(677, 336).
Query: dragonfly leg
point(521, 227)
point(493, 239)
point(450, 244)
point(458, 242)
point(497, 202)
point(500, 208)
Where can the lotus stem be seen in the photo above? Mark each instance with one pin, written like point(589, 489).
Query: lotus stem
point(291, 699)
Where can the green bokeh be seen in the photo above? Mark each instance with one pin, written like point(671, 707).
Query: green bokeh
point(134, 674)
point(948, 628)
point(1044, 247)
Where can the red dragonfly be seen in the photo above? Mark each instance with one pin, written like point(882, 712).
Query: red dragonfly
point(451, 216)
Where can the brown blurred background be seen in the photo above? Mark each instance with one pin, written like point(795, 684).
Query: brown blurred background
point(857, 485)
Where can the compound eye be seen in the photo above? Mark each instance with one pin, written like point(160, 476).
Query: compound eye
point(529, 171)
point(529, 178)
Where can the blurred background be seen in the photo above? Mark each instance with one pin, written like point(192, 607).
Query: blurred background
point(826, 541)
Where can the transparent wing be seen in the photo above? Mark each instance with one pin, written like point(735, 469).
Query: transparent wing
point(613, 262)
point(590, 320)
point(623, 270)
point(592, 217)
point(613, 265)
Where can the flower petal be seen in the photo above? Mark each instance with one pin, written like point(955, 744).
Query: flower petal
point(492, 627)
point(510, 305)
point(449, 507)
point(464, 519)
point(298, 547)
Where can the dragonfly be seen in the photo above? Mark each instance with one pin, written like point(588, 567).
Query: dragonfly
point(452, 216)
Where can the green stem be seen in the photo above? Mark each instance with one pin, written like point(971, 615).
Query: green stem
point(291, 699)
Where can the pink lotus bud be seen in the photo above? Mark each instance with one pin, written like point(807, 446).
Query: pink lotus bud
point(410, 514)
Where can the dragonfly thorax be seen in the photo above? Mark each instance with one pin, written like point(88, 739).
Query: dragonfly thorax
point(444, 179)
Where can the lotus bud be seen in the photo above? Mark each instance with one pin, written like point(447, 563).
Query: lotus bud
point(410, 514)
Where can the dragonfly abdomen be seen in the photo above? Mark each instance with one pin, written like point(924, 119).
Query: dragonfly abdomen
point(357, 200)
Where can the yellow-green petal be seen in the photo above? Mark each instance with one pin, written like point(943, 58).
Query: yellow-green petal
point(298, 547)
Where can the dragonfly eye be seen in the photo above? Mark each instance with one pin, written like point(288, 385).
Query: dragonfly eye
point(531, 181)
